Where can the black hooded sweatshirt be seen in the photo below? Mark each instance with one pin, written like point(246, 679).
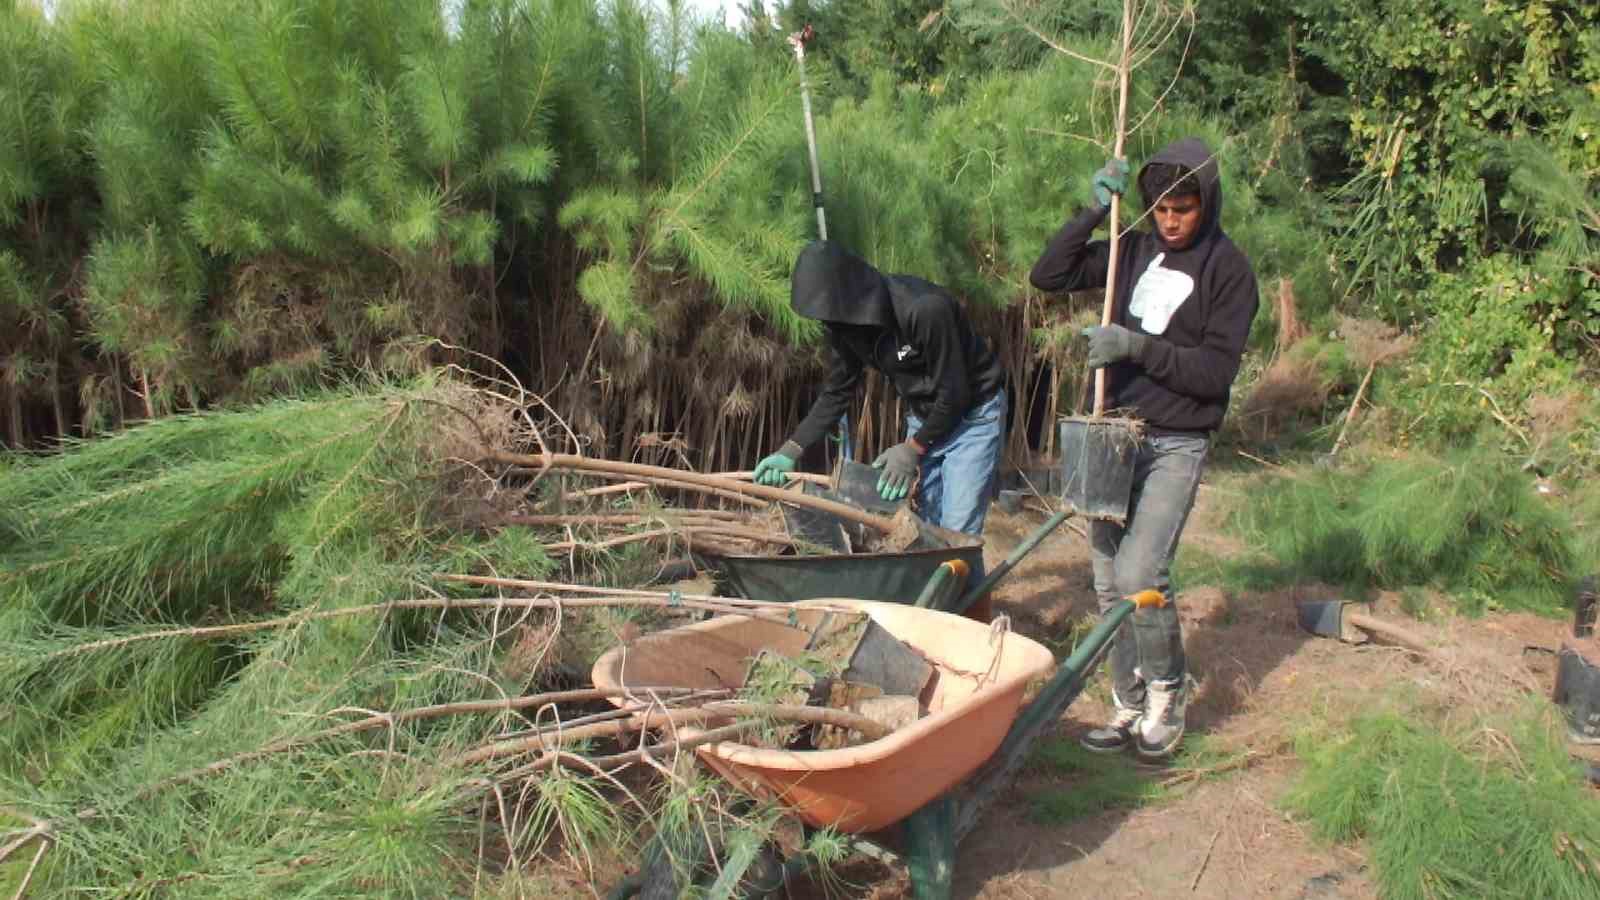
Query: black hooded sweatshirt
point(1196, 304)
point(911, 330)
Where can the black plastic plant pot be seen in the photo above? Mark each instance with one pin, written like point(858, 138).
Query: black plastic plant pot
point(1577, 693)
point(1097, 458)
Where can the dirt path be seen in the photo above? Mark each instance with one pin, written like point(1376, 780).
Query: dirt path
point(1219, 838)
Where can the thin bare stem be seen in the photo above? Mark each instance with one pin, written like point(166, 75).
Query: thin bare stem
point(713, 736)
point(738, 603)
point(690, 480)
point(674, 718)
point(1053, 45)
point(22, 886)
point(1156, 106)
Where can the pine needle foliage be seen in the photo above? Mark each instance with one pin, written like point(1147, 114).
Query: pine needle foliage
point(146, 752)
point(1468, 523)
point(1491, 812)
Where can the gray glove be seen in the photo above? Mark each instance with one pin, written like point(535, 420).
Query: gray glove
point(900, 465)
point(1113, 343)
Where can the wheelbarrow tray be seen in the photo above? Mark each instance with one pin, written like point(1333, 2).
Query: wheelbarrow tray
point(972, 699)
point(887, 577)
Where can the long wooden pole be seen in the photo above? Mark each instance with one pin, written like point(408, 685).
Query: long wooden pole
point(1123, 64)
point(606, 468)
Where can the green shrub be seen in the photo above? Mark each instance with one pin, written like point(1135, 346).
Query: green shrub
point(1473, 814)
point(1469, 523)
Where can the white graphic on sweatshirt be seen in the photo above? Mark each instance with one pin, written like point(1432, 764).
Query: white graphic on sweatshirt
point(1158, 295)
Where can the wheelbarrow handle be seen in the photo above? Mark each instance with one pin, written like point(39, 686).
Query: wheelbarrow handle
point(981, 589)
point(949, 578)
point(933, 832)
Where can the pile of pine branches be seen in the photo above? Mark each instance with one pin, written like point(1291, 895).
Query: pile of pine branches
point(229, 667)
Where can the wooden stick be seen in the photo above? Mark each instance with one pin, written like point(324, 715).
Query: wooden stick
point(603, 490)
point(549, 760)
point(760, 537)
point(421, 713)
point(1351, 414)
point(642, 481)
point(27, 877)
point(675, 718)
point(37, 832)
point(737, 604)
point(1116, 199)
point(676, 516)
point(816, 478)
point(726, 605)
point(871, 729)
point(1195, 884)
point(693, 481)
point(1400, 635)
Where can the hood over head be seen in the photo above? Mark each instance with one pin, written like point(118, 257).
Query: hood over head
point(830, 284)
point(1193, 156)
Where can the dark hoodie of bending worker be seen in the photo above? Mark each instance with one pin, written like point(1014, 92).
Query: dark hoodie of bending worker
point(1197, 303)
point(911, 330)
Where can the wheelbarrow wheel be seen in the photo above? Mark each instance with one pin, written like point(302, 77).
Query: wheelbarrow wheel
point(667, 875)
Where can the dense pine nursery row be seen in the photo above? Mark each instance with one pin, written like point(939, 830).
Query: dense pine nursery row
point(275, 276)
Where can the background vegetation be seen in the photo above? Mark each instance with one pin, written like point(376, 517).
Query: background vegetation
point(248, 205)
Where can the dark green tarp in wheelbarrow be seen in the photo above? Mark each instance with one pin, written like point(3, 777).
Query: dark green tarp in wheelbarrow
point(891, 577)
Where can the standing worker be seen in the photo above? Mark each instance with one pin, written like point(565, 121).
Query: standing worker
point(1179, 326)
point(915, 333)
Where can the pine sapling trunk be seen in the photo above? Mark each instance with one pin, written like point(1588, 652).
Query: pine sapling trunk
point(1124, 61)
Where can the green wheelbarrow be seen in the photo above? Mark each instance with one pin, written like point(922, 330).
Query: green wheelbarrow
point(932, 780)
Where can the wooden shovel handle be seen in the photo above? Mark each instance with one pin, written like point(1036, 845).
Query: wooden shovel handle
point(1395, 633)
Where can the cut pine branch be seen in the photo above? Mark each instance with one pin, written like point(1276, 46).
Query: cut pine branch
point(549, 738)
point(722, 487)
point(662, 533)
point(678, 517)
point(616, 597)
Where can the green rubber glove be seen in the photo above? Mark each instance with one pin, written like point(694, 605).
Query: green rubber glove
point(900, 465)
point(1113, 343)
point(1112, 179)
point(774, 470)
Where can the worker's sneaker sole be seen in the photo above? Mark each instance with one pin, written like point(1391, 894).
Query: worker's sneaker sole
point(1107, 740)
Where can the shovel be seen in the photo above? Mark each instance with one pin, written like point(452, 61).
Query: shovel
point(1335, 619)
point(1098, 453)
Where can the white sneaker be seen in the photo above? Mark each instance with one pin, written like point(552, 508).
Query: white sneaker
point(1161, 727)
point(1117, 733)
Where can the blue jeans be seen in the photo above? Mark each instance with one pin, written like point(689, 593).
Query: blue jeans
point(1138, 556)
point(960, 473)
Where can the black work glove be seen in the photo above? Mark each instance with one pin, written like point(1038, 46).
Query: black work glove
point(1113, 343)
point(900, 465)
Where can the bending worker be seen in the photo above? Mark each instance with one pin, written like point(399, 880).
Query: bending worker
point(915, 333)
point(1179, 324)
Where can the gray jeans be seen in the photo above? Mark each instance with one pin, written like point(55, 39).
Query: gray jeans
point(1138, 556)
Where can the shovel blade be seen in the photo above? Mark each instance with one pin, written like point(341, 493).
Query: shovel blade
point(1325, 618)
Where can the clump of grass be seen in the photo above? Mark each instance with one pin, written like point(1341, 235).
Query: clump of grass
point(1099, 783)
point(1480, 814)
point(1468, 524)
